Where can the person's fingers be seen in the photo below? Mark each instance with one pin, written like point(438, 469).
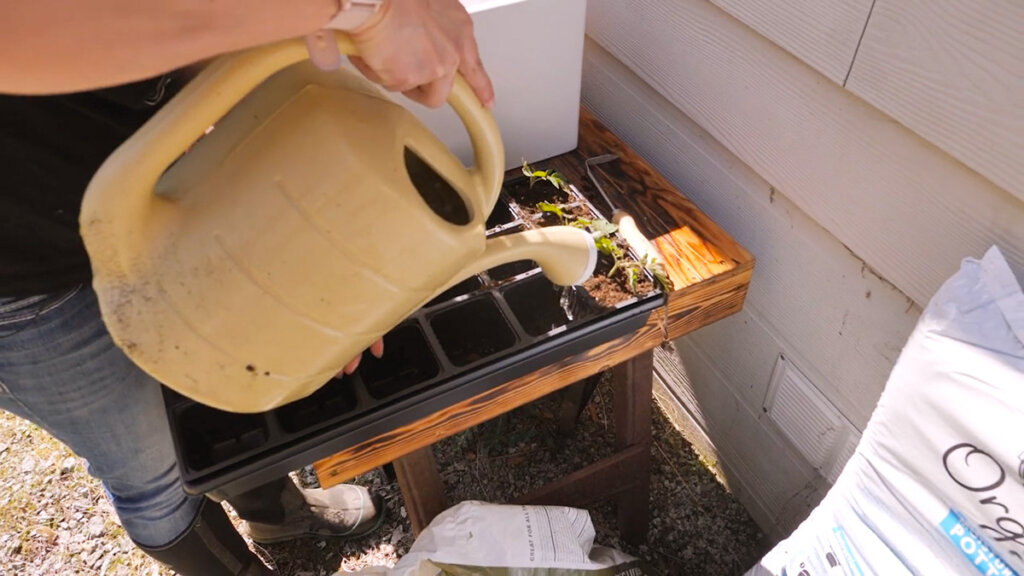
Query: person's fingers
point(365, 69)
point(472, 69)
point(416, 48)
point(377, 349)
point(351, 366)
point(323, 50)
point(389, 83)
point(434, 94)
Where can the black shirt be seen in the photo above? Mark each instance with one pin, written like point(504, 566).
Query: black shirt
point(50, 146)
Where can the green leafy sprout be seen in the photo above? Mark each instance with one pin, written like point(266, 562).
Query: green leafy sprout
point(550, 176)
point(550, 208)
point(601, 230)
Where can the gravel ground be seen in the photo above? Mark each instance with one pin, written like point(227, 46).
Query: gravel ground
point(697, 527)
point(54, 518)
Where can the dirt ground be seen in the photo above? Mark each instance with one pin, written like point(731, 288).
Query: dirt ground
point(55, 520)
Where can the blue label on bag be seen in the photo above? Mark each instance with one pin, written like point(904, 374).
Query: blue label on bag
point(977, 553)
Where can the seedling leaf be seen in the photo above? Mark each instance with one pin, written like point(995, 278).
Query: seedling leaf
point(552, 177)
point(551, 208)
point(631, 279)
point(605, 245)
point(654, 266)
point(601, 228)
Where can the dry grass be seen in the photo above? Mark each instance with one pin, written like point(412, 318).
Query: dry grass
point(54, 518)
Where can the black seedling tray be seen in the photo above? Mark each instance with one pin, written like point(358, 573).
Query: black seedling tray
point(487, 330)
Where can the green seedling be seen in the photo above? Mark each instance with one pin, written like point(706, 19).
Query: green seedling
point(550, 208)
point(606, 245)
point(632, 269)
point(653, 265)
point(632, 276)
point(601, 228)
point(552, 177)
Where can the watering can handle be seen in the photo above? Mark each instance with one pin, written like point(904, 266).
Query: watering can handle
point(227, 80)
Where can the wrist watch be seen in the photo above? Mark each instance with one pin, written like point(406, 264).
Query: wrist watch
point(354, 13)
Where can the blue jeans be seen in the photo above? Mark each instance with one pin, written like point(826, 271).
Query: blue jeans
point(60, 369)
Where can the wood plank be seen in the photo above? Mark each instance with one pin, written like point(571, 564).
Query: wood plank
point(694, 246)
point(573, 400)
point(375, 452)
point(632, 384)
point(421, 487)
point(952, 71)
point(896, 201)
point(810, 297)
point(822, 33)
point(594, 483)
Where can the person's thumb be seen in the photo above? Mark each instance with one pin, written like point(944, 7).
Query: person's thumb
point(323, 50)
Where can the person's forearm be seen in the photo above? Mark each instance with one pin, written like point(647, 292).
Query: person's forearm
point(50, 46)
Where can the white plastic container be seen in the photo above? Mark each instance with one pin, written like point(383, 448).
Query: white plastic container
point(533, 51)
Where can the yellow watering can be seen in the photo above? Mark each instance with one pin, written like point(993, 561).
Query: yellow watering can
point(244, 267)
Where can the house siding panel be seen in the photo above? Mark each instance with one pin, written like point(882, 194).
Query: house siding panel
point(822, 33)
point(855, 220)
point(902, 205)
point(952, 71)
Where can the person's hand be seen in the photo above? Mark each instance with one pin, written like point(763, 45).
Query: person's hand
point(377, 349)
point(415, 47)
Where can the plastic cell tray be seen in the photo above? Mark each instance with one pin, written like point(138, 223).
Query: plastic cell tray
point(487, 330)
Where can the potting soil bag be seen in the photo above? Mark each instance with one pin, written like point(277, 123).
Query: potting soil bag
point(936, 485)
point(474, 538)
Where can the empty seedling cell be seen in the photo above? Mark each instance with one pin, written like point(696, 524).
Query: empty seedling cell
point(332, 400)
point(407, 361)
point(465, 287)
point(212, 436)
point(538, 304)
point(501, 215)
point(472, 331)
point(510, 269)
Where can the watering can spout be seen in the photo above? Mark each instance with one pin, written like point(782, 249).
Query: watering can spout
point(566, 255)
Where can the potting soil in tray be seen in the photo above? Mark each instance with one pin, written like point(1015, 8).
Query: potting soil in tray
point(486, 330)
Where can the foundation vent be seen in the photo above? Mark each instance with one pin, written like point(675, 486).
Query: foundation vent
point(815, 427)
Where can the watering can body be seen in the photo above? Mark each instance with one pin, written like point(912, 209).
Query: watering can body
point(245, 272)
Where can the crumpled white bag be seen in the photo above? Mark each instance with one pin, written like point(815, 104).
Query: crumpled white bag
point(510, 540)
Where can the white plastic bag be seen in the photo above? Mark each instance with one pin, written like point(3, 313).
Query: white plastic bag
point(936, 485)
point(510, 540)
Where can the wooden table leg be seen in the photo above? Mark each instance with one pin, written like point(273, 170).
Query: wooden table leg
point(573, 399)
point(421, 487)
point(632, 385)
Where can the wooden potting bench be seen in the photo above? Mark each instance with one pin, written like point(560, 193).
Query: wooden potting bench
point(710, 273)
